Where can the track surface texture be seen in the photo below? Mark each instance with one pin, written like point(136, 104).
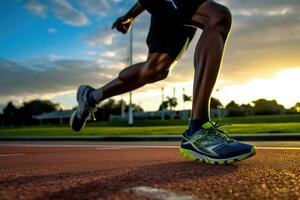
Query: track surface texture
point(108, 172)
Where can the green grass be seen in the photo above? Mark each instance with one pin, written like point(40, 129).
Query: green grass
point(226, 120)
point(150, 130)
point(252, 124)
point(262, 119)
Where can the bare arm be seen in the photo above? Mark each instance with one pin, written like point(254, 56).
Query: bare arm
point(123, 23)
point(135, 10)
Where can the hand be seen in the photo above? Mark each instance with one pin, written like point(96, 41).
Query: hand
point(122, 24)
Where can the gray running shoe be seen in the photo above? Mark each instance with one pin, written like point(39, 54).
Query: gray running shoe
point(84, 111)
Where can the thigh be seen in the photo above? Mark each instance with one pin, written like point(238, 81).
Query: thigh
point(168, 37)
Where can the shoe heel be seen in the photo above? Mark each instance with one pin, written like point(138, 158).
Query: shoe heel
point(79, 92)
point(187, 154)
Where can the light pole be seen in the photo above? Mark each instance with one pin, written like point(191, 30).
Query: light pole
point(130, 112)
point(162, 103)
point(183, 93)
point(162, 94)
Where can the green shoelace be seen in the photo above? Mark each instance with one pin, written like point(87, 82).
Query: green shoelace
point(214, 129)
point(92, 111)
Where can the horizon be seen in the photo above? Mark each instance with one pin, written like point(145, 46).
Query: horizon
point(61, 44)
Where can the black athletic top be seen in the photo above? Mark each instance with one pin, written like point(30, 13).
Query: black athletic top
point(159, 6)
point(174, 10)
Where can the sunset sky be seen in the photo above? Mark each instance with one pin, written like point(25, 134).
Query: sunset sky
point(48, 48)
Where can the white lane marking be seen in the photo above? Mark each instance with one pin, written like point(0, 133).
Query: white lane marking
point(12, 154)
point(102, 147)
point(280, 148)
point(110, 148)
point(175, 147)
point(158, 194)
point(53, 145)
point(136, 147)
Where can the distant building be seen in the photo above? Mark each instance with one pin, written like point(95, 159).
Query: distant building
point(167, 114)
point(59, 117)
point(62, 117)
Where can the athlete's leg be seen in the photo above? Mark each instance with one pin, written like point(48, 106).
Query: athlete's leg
point(210, 144)
point(156, 68)
point(215, 20)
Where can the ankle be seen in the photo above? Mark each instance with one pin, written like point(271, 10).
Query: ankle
point(195, 125)
point(95, 96)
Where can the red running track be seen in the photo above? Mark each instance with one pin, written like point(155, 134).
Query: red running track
point(99, 173)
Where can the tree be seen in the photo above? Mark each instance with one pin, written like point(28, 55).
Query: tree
point(136, 108)
point(36, 107)
point(1, 120)
point(172, 102)
point(246, 110)
point(215, 103)
point(107, 108)
point(297, 107)
point(113, 107)
point(164, 105)
point(266, 107)
point(186, 98)
point(233, 109)
point(10, 115)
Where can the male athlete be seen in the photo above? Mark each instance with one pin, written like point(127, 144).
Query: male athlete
point(172, 28)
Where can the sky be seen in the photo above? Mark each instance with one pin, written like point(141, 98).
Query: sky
point(49, 47)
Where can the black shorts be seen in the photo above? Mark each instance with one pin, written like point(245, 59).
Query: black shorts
point(169, 32)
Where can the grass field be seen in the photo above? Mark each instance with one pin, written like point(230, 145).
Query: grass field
point(240, 125)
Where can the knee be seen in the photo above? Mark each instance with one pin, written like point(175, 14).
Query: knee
point(222, 19)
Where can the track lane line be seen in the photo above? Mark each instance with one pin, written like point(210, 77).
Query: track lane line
point(158, 194)
point(175, 147)
point(115, 147)
point(279, 148)
point(11, 154)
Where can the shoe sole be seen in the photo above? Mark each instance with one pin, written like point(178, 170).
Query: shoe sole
point(72, 121)
point(193, 156)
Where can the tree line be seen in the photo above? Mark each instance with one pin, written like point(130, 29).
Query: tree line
point(260, 107)
point(17, 116)
point(257, 107)
point(14, 116)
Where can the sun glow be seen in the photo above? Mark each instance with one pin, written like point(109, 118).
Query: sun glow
point(283, 88)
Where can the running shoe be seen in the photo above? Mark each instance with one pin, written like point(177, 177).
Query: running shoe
point(213, 146)
point(84, 111)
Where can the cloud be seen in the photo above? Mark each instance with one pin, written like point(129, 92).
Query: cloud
point(262, 7)
point(61, 9)
point(103, 36)
point(64, 75)
point(36, 7)
point(265, 39)
point(68, 14)
point(52, 30)
point(113, 46)
point(97, 7)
